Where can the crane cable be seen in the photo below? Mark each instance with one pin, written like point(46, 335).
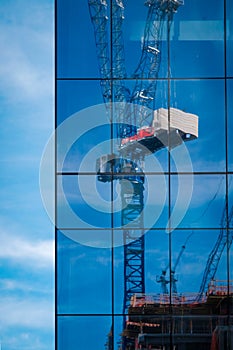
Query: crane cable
point(210, 202)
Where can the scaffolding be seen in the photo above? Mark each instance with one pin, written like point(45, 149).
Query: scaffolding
point(155, 321)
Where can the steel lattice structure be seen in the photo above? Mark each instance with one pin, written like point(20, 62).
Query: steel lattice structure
point(224, 239)
point(107, 22)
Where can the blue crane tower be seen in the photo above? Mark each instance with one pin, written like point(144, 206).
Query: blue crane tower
point(128, 167)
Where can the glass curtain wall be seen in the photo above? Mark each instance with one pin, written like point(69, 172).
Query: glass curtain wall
point(119, 66)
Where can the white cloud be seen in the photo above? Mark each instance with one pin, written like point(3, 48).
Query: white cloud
point(32, 313)
point(77, 258)
point(105, 261)
point(25, 340)
point(152, 277)
point(23, 250)
point(15, 286)
point(208, 191)
point(26, 63)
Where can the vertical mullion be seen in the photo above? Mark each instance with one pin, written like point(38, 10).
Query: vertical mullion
point(169, 174)
point(112, 174)
point(227, 169)
point(55, 175)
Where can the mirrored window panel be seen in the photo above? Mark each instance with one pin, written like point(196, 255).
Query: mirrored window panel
point(229, 43)
point(230, 124)
point(118, 331)
point(156, 260)
point(140, 201)
point(83, 269)
point(72, 332)
point(118, 281)
point(76, 95)
point(129, 48)
point(141, 124)
point(83, 202)
point(230, 200)
point(205, 120)
point(197, 40)
point(199, 262)
point(198, 201)
point(73, 25)
point(230, 257)
point(84, 150)
point(84, 129)
point(144, 38)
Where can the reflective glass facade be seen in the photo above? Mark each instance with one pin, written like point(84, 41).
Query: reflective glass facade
point(175, 200)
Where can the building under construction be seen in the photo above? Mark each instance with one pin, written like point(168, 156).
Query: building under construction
point(185, 321)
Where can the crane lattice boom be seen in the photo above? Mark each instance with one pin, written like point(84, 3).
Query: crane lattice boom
point(225, 238)
point(112, 61)
point(112, 73)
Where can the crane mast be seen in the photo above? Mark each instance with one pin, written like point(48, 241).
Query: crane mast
point(132, 201)
point(129, 169)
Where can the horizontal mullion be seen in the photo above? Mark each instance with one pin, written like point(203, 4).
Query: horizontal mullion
point(144, 79)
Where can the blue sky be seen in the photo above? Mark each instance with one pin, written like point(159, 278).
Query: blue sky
point(26, 238)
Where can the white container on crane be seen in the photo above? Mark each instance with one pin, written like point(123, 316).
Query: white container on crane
point(179, 120)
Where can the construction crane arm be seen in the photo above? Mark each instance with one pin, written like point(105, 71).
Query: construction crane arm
point(111, 61)
point(178, 258)
point(213, 261)
point(181, 252)
point(216, 253)
point(100, 21)
point(118, 53)
point(121, 93)
point(149, 63)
